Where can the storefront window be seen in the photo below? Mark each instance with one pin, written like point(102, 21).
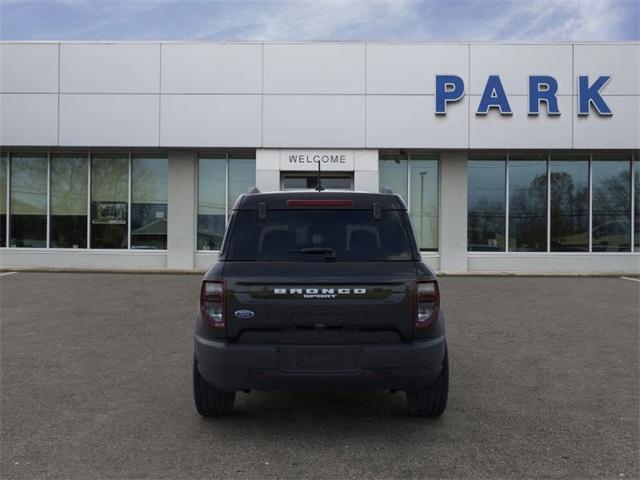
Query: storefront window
point(216, 197)
point(3, 200)
point(569, 203)
point(69, 180)
point(393, 172)
point(611, 182)
point(486, 204)
point(528, 203)
point(414, 176)
point(109, 197)
point(242, 176)
point(28, 225)
point(211, 202)
point(149, 196)
point(423, 204)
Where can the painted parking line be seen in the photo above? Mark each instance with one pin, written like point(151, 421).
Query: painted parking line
point(6, 273)
point(632, 279)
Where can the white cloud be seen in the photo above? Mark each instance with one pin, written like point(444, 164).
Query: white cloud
point(304, 20)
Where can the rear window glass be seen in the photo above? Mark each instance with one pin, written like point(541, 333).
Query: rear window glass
point(319, 235)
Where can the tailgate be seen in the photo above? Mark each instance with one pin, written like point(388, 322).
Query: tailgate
point(319, 302)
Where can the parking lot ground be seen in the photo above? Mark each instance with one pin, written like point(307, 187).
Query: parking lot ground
point(96, 383)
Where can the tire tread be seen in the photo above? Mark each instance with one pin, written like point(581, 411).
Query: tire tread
point(211, 402)
point(432, 400)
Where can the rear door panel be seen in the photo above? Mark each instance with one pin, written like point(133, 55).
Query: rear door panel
point(320, 302)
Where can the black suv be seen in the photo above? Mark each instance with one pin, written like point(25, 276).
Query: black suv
point(320, 291)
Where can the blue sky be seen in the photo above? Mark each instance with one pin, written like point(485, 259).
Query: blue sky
point(271, 20)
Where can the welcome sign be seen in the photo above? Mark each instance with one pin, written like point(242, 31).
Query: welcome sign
point(329, 160)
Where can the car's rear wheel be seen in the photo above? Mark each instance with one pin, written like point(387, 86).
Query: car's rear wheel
point(432, 400)
point(211, 402)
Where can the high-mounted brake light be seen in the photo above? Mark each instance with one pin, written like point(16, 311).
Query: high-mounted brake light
point(212, 300)
point(320, 203)
point(427, 303)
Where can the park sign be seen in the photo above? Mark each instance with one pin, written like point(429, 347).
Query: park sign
point(542, 89)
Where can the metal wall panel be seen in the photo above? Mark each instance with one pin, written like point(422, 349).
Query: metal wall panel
point(407, 121)
point(321, 68)
point(211, 120)
point(521, 130)
point(109, 68)
point(313, 121)
point(514, 64)
point(308, 95)
point(621, 130)
point(620, 61)
point(109, 120)
point(211, 68)
point(411, 69)
point(28, 68)
point(28, 119)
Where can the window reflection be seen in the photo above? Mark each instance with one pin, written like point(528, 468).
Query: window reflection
point(242, 176)
point(486, 200)
point(211, 202)
point(611, 230)
point(28, 201)
point(149, 196)
point(414, 177)
point(393, 172)
point(569, 203)
point(528, 203)
point(109, 197)
point(3, 199)
point(424, 200)
point(69, 201)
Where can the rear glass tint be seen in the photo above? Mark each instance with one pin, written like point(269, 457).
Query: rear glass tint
point(319, 235)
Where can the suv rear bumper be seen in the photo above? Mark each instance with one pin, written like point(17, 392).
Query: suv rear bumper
point(409, 366)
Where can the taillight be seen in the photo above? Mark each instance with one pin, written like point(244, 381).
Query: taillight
point(212, 303)
point(427, 302)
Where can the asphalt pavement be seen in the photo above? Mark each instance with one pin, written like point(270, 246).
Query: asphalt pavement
point(96, 383)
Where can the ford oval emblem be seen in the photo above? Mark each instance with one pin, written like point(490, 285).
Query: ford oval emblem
point(244, 314)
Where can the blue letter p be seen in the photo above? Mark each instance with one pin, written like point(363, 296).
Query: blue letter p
point(449, 88)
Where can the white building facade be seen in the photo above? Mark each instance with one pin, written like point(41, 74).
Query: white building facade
point(510, 157)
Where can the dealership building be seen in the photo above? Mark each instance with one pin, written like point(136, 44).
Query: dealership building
point(510, 157)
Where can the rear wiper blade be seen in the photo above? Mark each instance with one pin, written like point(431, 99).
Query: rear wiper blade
point(329, 252)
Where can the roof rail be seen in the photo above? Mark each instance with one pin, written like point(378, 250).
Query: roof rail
point(386, 190)
point(253, 190)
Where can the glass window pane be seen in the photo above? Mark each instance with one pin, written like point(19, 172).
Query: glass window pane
point(3, 199)
point(528, 204)
point(28, 201)
point(487, 205)
point(109, 196)
point(69, 201)
point(211, 202)
point(242, 176)
point(330, 181)
point(636, 188)
point(569, 203)
point(611, 230)
point(393, 172)
point(424, 200)
point(149, 196)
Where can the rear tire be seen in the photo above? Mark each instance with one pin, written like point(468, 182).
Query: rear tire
point(211, 402)
point(432, 400)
